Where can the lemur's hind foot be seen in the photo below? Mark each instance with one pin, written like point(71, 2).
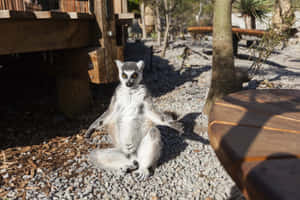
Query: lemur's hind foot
point(142, 174)
point(129, 168)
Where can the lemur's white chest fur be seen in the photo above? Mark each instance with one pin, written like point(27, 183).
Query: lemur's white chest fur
point(129, 101)
point(130, 114)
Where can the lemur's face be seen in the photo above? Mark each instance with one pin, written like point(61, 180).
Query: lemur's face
point(130, 73)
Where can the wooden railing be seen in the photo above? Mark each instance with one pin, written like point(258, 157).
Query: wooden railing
point(81, 6)
point(12, 5)
point(208, 29)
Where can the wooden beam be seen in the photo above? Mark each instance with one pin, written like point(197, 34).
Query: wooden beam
point(99, 72)
point(126, 16)
point(23, 35)
point(208, 29)
point(73, 91)
point(12, 14)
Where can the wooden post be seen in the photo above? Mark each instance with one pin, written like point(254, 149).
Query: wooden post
point(235, 43)
point(124, 6)
point(117, 6)
point(105, 17)
point(72, 81)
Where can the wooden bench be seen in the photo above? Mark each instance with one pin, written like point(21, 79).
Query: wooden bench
point(256, 136)
point(237, 33)
point(66, 34)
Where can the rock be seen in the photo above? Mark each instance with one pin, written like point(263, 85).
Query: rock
point(294, 41)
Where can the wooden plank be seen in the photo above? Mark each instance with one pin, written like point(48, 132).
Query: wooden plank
point(22, 36)
point(124, 16)
point(20, 15)
point(263, 125)
point(264, 118)
point(120, 53)
point(209, 29)
point(97, 66)
point(272, 179)
point(235, 140)
point(99, 72)
point(283, 104)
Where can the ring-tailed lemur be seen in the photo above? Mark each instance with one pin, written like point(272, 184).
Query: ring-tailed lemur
point(131, 122)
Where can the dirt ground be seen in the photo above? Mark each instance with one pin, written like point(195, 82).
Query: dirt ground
point(31, 126)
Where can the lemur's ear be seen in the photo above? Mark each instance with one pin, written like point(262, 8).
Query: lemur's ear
point(140, 65)
point(119, 64)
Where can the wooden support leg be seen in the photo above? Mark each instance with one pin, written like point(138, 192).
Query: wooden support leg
point(235, 43)
point(72, 81)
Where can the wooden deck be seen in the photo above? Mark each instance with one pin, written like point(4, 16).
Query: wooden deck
point(256, 136)
point(83, 44)
point(23, 32)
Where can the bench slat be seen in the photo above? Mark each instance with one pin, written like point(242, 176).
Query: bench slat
point(208, 29)
point(280, 179)
point(248, 130)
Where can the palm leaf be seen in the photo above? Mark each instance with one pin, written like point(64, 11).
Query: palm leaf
point(256, 8)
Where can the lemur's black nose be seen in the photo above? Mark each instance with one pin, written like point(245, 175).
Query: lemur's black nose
point(129, 84)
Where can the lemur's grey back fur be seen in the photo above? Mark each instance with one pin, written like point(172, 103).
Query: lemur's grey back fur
point(131, 121)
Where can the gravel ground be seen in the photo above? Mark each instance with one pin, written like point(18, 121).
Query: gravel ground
point(188, 168)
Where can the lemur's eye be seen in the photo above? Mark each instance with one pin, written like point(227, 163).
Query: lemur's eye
point(124, 75)
point(134, 75)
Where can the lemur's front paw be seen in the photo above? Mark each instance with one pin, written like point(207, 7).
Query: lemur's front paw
point(129, 168)
point(142, 174)
point(91, 130)
point(178, 126)
point(129, 149)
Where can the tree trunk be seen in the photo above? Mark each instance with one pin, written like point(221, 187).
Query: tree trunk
point(200, 12)
point(223, 79)
point(143, 25)
point(158, 22)
point(182, 33)
point(250, 22)
point(166, 36)
point(283, 17)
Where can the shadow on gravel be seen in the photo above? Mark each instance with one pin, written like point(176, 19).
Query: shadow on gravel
point(160, 76)
point(253, 58)
point(173, 143)
point(282, 69)
point(28, 103)
point(164, 81)
point(257, 47)
point(189, 125)
point(235, 194)
point(295, 60)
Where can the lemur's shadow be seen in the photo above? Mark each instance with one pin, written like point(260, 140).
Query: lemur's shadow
point(174, 143)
